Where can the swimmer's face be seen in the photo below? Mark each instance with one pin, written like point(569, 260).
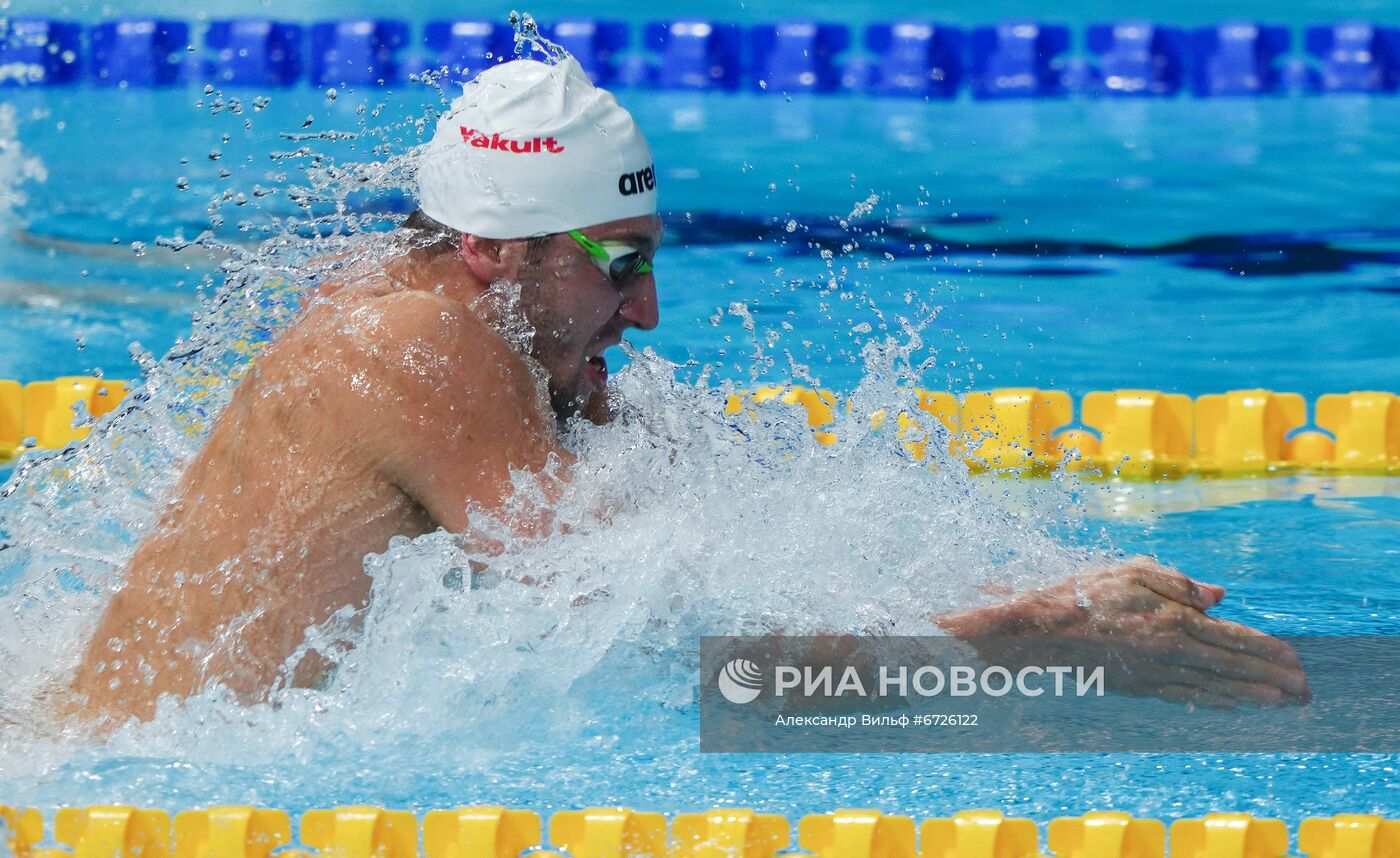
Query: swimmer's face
point(577, 312)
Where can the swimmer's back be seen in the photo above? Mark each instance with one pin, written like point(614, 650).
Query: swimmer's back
point(381, 411)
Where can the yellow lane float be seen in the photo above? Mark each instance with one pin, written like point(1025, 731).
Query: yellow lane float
point(617, 832)
point(1139, 435)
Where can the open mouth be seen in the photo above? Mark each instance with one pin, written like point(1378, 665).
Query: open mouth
point(596, 370)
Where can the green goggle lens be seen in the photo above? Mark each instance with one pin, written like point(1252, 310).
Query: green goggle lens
point(618, 262)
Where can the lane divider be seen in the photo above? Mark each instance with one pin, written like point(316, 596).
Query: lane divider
point(1128, 434)
point(615, 832)
point(914, 58)
point(1122, 434)
point(40, 414)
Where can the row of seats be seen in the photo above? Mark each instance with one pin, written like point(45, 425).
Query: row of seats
point(41, 414)
point(497, 832)
point(1132, 434)
point(917, 58)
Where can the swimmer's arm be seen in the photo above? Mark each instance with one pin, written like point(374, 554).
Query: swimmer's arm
point(452, 409)
point(1149, 620)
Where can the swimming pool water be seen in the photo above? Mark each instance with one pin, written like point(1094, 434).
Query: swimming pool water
point(1309, 567)
point(1071, 244)
point(1184, 246)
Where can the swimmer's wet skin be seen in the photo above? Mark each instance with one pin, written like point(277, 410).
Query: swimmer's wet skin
point(402, 395)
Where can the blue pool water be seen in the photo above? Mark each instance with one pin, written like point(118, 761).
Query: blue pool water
point(1185, 246)
point(1081, 245)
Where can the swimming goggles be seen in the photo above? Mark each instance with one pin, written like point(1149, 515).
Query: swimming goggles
point(619, 262)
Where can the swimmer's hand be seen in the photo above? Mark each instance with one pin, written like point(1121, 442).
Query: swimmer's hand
point(1147, 624)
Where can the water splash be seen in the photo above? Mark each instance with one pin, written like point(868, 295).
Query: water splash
point(529, 40)
point(16, 167)
point(677, 522)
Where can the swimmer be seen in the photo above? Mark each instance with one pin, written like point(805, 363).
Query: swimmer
point(403, 394)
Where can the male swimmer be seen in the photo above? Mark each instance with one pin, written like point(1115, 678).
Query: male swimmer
point(398, 398)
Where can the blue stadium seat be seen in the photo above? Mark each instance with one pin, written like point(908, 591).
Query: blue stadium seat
point(39, 51)
point(139, 52)
point(360, 51)
point(797, 56)
point(467, 47)
point(1018, 59)
point(1354, 57)
point(1137, 58)
point(1238, 59)
point(253, 52)
point(595, 44)
point(696, 54)
point(914, 58)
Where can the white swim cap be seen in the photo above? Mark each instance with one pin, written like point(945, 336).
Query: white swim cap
point(530, 149)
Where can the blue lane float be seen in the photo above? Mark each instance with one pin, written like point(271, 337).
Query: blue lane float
point(797, 56)
point(466, 47)
point(913, 58)
point(144, 52)
point(1354, 57)
point(39, 51)
point(253, 52)
point(595, 44)
point(1021, 59)
point(1136, 58)
point(1239, 59)
point(356, 52)
point(700, 55)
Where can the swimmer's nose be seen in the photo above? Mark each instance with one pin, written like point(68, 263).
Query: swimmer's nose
point(639, 303)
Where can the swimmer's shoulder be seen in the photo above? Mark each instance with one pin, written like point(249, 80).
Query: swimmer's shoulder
point(421, 341)
point(416, 317)
point(346, 274)
point(448, 408)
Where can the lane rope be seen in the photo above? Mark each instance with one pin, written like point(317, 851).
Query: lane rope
point(615, 832)
point(1141, 435)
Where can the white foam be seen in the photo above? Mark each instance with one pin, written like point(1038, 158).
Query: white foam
point(677, 522)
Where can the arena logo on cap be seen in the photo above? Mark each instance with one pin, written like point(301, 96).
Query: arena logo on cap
point(637, 182)
point(481, 140)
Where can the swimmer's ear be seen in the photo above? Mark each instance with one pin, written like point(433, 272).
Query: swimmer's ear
point(490, 259)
